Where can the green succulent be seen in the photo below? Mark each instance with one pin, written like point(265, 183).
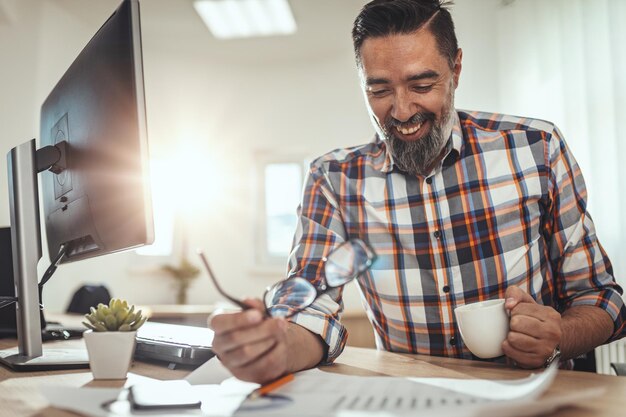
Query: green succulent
point(118, 316)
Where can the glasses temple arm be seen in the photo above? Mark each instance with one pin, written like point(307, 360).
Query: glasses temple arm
point(219, 289)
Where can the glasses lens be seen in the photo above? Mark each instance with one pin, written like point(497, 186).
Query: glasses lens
point(282, 298)
point(347, 262)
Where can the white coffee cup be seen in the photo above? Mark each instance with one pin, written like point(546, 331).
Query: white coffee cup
point(483, 326)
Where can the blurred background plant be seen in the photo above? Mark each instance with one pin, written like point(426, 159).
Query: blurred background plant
point(183, 274)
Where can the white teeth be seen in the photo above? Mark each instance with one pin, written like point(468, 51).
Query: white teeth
point(409, 130)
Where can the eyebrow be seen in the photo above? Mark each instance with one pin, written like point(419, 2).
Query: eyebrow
point(428, 74)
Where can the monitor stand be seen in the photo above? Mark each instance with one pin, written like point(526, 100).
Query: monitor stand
point(50, 359)
point(24, 164)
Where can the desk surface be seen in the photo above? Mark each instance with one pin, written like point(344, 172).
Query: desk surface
point(19, 394)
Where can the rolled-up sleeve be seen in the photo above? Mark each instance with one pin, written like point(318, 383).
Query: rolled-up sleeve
point(582, 270)
point(320, 228)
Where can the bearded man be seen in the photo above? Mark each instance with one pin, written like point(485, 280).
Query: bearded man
point(459, 206)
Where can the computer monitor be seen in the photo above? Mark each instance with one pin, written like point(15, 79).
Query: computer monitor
point(94, 160)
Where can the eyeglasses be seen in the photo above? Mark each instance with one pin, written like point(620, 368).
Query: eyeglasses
point(288, 297)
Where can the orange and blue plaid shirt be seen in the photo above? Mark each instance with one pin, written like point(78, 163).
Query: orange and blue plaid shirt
point(506, 206)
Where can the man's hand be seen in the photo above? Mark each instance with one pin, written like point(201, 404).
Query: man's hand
point(535, 330)
point(251, 345)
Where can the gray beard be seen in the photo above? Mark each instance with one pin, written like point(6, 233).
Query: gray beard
point(417, 157)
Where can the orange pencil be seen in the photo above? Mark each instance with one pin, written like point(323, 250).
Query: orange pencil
point(269, 387)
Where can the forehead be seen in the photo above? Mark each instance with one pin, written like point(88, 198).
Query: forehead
point(401, 55)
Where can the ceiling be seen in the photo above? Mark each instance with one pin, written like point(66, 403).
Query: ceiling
point(323, 29)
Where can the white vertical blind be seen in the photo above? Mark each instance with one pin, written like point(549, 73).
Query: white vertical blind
point(565, 61)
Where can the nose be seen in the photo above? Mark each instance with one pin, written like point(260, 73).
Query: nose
point(403, 107)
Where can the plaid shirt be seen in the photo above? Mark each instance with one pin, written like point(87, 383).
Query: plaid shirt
point(506, 206)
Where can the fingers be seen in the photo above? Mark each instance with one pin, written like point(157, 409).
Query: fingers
point(526, 351)
point(266, 367)
point(255, 303)
point(527, 360)
point(522, 342)
point(515, 295)
point(226, 322)
point(249, 349)
point(534, 331)
point(526, 325)
point(540, 322)
point(268, 329)
point(535, 320)
point(245, 355)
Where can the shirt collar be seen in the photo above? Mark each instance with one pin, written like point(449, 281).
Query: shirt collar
point(456, 139)
point(388, 164)
point(453, 146)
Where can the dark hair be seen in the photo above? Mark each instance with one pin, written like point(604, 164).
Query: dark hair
point(380, 18)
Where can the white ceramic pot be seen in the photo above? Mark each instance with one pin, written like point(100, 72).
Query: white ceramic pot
point(110, 353)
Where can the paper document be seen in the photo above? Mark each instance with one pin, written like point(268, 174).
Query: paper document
point(526, 388)
point(513, 408)
point(210, 372)
point(218, 399)
point(319, 393)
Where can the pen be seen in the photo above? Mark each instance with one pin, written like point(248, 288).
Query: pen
point(267, 388)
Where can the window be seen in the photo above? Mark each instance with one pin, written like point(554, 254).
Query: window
point(280, 189)
point(282, 195)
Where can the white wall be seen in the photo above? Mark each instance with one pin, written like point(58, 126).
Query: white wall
point(18, 80)
point(231, 99)
point(476, 34)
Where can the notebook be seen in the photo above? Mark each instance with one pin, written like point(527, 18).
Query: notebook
point(174, 343)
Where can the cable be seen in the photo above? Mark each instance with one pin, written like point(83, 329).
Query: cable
point(6, 301)
point(53, 266)
point(50, 271)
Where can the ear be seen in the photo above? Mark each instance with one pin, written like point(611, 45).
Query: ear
point(457, 67)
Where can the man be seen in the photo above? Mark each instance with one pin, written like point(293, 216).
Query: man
point(460, 207)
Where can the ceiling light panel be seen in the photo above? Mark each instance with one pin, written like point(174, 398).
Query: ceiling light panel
point(229, 19)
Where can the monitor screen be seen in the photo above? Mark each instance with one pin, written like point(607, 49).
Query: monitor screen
point(100, 203)
point(93, 157)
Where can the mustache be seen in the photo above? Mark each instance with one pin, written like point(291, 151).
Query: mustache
point(415, 119)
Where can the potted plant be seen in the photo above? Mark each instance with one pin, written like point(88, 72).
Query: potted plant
point(110, 339)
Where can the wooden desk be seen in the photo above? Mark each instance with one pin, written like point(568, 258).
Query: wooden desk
point(19, 394)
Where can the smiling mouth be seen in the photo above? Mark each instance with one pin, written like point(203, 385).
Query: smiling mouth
point(409, 130)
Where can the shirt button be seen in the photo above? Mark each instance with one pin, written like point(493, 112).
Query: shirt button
point(437, 234)
point(446, 288)
point(452, 341)
point(429, 180)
